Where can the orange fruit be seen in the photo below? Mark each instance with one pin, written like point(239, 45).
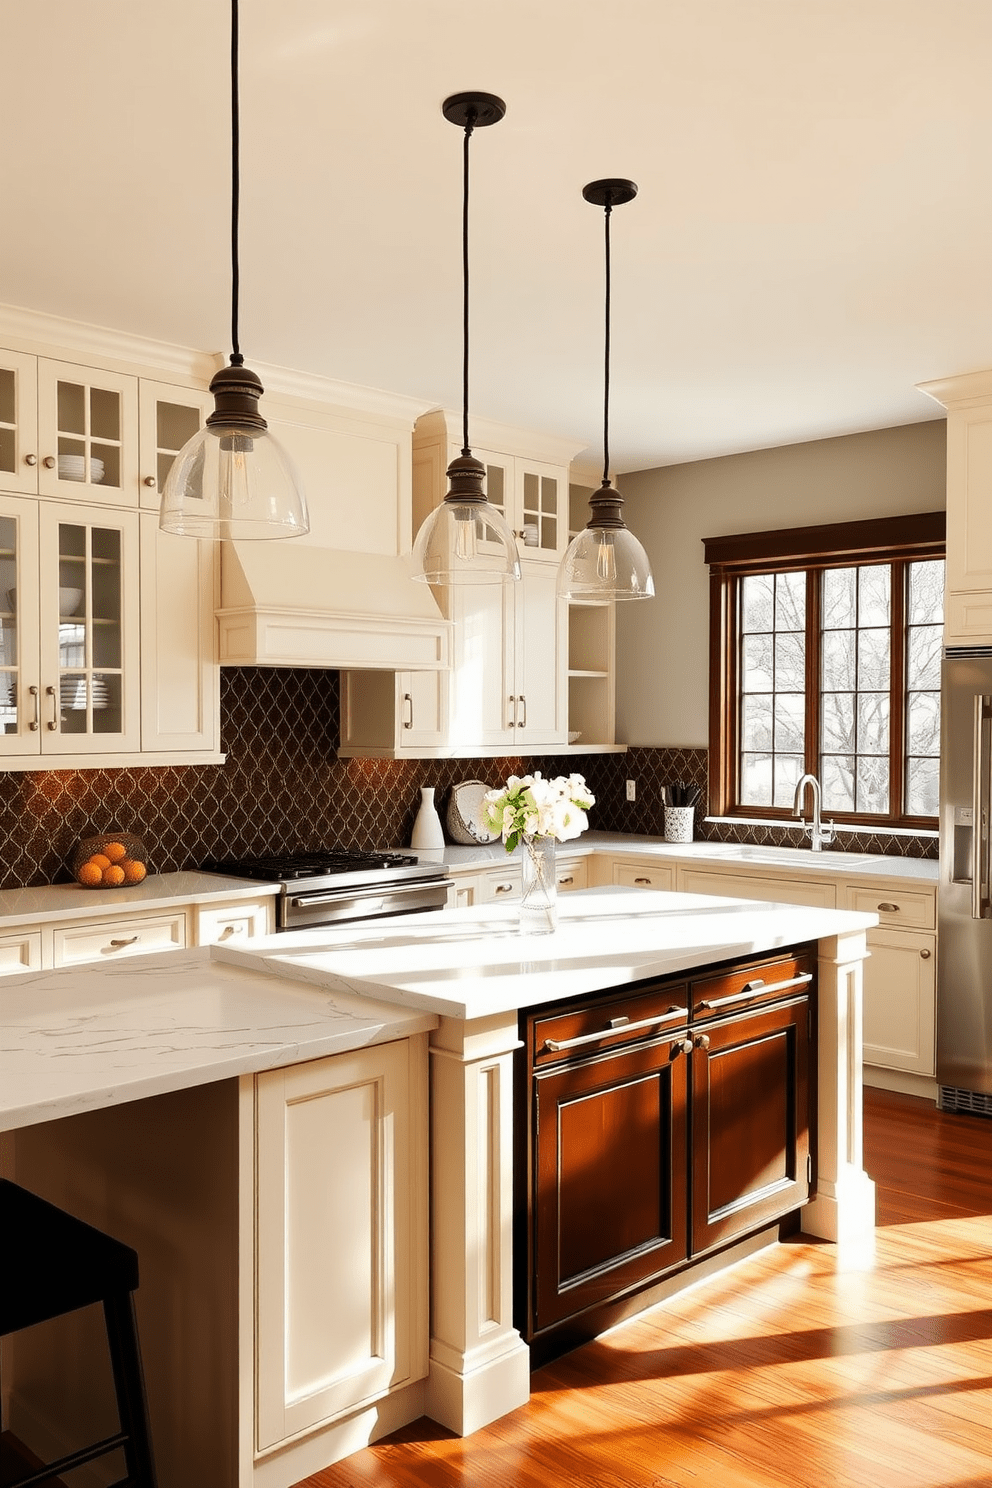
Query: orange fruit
point(114, 851)
point(90, 875)
point(133, 871)
point(99, 861)
point(113, 876)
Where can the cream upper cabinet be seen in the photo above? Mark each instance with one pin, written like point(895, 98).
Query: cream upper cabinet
point(87, 434)
point(18, 422)
point(389, 715)
point(526, 478)
point(968, 587)
point(69, 629)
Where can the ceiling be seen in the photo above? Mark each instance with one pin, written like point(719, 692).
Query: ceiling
point(812, 237)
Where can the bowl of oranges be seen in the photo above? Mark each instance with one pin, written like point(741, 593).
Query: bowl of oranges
point(115, 860)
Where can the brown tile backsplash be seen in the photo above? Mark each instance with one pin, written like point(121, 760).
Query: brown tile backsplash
point(283, 787)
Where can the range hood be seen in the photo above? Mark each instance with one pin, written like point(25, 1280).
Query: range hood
point(296, 604)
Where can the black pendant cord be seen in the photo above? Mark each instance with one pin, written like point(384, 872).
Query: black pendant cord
point(470, 123)
point(237, 360)
point(606, 374)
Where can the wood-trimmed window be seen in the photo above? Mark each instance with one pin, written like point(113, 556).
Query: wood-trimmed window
point(825, 646)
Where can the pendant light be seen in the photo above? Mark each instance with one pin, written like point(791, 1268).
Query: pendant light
point(605, 560)
point(233, 479)
point(465, 540)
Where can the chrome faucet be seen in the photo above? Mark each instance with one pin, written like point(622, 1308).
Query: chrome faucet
point(821, 835)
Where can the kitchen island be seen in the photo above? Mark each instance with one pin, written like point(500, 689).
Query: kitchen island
point(468, 973)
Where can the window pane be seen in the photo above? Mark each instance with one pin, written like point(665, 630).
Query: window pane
point(872, 796)
point(923, 656)
point(873, 660)
point(756, 779)
point(790, 720)
point(922, 780)
point(756, 664)
point(757, 595)
point(837, 731)
point(838, 782)
point(874, 594)
point(790, 663)
point(790, 601)
point(838, 660)
point(839, 590)
point(873, 724)
point(788, 768)
point(756, 721)
point(926, 593)
point(923, 723)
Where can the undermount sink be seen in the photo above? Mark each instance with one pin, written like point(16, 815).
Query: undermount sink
point(791, 857)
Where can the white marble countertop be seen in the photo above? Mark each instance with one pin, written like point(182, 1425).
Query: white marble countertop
point(86, 1037)
point(158, 891)
point(729, 855)
point(472, 963)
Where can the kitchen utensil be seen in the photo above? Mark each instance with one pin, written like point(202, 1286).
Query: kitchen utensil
point(462, 818)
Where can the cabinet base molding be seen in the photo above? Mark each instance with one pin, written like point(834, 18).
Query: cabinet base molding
point(465, 1401)
point(844, 1209)
point(323, 1448)
point(576, 1331)
point(902, 1081)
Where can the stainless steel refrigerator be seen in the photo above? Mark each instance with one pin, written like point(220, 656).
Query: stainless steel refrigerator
point(964, 900)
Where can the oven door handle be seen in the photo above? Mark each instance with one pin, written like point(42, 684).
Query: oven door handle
point(369, 902)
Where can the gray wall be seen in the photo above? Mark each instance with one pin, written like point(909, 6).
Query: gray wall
point(662, 644)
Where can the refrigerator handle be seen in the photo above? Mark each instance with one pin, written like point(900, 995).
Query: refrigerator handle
point(980, 811)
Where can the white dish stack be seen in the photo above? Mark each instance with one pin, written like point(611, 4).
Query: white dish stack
point(73, 467)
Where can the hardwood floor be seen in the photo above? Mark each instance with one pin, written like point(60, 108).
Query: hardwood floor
point(803, 1367)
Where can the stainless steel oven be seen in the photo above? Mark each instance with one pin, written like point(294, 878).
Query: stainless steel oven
point(332, 887)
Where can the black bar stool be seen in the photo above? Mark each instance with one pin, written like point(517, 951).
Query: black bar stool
point(53, 1264)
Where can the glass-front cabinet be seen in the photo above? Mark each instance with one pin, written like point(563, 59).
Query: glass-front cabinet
point(18, 423)
point(68, 629)
point(87, 433)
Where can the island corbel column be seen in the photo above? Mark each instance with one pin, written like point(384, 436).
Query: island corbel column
point(844, 1207)
point(479, 1364)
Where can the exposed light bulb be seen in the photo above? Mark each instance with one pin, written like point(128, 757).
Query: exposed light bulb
point(466, 547)
point(606, 559)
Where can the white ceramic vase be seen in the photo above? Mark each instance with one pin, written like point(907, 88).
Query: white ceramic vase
point(428, 834)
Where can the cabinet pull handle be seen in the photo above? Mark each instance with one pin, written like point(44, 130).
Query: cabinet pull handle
point(129, 940)
point(511, 712)
point(925, 955)
point(523, 722)
point(35, 723)
point(408, 704)
point(886, 908)
point(566, 878)
point(30, 459)
point(503, 888)
point(757, 986)
point(49, 462)
point(642, 881)
point(54, 723)
point(555, 1046)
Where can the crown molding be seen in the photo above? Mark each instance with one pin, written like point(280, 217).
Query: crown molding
point(488, 434)
point(969, 387)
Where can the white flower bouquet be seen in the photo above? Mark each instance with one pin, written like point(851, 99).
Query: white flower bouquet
point(529, 806)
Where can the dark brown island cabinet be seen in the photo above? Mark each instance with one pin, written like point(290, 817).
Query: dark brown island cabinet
point(658, 1125)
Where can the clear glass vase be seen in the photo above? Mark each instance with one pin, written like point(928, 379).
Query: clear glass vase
point(539, 898)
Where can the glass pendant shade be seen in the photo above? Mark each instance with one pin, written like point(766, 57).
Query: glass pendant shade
point(605, 562)
point(465, 540)
point(233, 479)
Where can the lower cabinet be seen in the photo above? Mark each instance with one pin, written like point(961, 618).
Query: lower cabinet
point(656, 1124)
point(900, 1000)
point(340, 1274)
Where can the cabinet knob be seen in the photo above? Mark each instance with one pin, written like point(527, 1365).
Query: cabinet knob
point(150, 480)
point(703, 1041)
point(680, 1046)
point(49, 462)
point(924, 955)
point(30, 459)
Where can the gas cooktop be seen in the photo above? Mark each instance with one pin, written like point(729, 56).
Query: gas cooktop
point(322, 863)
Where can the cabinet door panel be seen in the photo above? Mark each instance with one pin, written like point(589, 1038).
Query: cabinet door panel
point(750, 1122)
point(88, 432)
point(537, 646)
point(169, 416)
point(20, 667)
point(18, 422)
point(900, 991)
point(180, 701)
point(609, 1207)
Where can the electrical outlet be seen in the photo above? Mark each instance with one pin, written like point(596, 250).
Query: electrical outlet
point(631, 790)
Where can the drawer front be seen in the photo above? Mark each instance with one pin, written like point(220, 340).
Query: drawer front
point(907, 910)
point(494, 887)
point(754, 886)
point(736, 991)
point(236, 922)
point(20, 952)
point(127, 937)
point(644, 876)
point(609, 1024)
point(572, 874)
